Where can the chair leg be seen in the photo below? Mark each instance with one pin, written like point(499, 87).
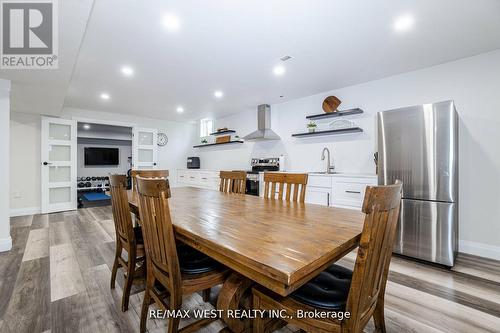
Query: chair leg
point(128, 281)
point(206, 295)
point(379, 317)
point(115, 265)
point(173, 324)
point(144, 310)
point(258, 323)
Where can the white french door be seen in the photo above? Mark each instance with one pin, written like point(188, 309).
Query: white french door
point(144, 148)
point(58, 156)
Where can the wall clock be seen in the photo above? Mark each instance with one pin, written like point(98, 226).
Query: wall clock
point(162, 139)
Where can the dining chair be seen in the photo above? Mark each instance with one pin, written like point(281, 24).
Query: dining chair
point(233, 182)
point(178, 268)
point(293, 181)
point(128, 238)
point(336, 289)
point(147, 174)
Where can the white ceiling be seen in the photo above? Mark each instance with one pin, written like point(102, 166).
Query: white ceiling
point(43, 91)
point(233, 46)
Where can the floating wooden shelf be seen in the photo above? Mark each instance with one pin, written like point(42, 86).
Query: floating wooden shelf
point(329, 132)
point(216, 144)
point(223, 132)
point(335, 114)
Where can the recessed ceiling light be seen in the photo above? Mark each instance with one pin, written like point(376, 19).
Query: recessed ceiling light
point(171, 22)
point(279, 70)
point(86, 126)
point(404, 23)
point(127, 71)
point(105, 96)
point(218, 94)
point(180, 109)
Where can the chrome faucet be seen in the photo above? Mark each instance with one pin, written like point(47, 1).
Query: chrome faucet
point(329, 167)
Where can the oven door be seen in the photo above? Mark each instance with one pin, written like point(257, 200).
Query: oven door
point(252, 187)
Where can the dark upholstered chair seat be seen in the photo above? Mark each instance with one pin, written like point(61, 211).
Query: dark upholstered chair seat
point(328, 290)
point(192, 261)
point(138, 235)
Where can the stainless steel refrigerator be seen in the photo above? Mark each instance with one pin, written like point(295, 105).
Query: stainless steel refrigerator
point(419, 146)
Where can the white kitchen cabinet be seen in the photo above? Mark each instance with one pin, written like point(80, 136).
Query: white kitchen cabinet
point(318, 195)
point(208, 179)
point(349, 191)
point(338, 190)
point(319, 190)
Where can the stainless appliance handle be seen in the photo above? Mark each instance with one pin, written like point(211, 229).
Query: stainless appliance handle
point(328, 198)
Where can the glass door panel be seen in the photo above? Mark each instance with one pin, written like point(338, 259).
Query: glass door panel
point(59, 153)
point(59, 174)
point(59, 132)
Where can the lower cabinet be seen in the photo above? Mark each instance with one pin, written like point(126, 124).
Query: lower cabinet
point(344, 191)
point(349, 192)
point(208, 179)
point(318, 196)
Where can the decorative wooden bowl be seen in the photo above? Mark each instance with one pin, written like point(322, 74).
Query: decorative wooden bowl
point(330, 104)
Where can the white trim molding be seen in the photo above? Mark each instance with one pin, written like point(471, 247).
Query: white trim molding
point(480, 249)
point(24, 211)
point(5, 244)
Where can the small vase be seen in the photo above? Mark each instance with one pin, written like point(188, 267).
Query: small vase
point(312, 129)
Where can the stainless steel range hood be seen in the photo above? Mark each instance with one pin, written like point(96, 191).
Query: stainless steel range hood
point(264, 131)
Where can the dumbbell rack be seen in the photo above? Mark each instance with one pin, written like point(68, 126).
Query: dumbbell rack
point(92, 183)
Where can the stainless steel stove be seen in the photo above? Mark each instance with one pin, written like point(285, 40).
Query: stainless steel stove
point(260, 165)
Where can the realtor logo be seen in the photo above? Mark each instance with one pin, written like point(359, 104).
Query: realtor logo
point(29, 34)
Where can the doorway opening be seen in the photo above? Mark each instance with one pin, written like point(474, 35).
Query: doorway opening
point(102, 150)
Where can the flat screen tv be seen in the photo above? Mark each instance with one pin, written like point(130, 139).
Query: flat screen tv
point(101, 156)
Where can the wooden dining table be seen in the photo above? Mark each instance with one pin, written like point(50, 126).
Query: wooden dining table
point(278, 244)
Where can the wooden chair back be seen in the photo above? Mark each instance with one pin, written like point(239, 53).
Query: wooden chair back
point(381, 206)
point(147, 174)
point(121, 211)
point(158, 233)
point(233, 181)
point(295, 189)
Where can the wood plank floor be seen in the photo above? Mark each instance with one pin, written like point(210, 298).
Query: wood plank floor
point(56, 279)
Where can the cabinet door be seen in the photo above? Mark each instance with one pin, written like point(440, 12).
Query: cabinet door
point(318, 196)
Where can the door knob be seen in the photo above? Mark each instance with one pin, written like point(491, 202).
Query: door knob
point(46, 163)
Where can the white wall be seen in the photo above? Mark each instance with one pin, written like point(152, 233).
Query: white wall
point(25, 166)
point(5, 239)
point(25, 151)
point(473, 83)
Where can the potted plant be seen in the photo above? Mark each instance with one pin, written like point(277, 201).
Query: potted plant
point(312, 126)
point(204, 141)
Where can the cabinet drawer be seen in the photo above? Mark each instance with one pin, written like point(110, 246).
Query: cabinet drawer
point(319, 181)
point(182, 176)
point(348, 194)
point(192, 177)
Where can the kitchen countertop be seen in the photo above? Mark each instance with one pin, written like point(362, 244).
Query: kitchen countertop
point(311, 173)
point(344, 174)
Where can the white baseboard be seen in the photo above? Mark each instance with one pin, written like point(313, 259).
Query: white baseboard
point(479, 249)
point(5, 244)
point(24, 211)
